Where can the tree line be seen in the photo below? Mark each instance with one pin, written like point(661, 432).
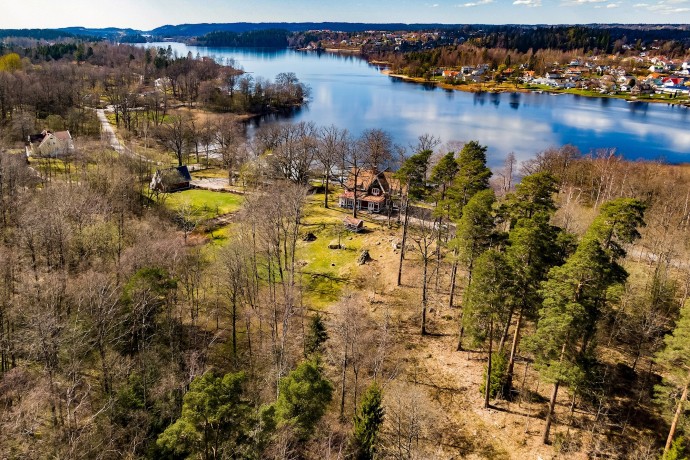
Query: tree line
point(528, 268)
point(269, 38)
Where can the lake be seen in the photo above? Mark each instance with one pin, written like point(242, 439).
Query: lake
point(350, 93)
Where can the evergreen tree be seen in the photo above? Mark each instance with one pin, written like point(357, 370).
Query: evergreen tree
point(486, 304)
point(575, 295)
point(532, 250)
point(475, 229)
point(412, 174)
point(442, 176)
point(676, 358)
point(368, 422)
point(473, 236)
point(316, 335)
point(215, 420)
point(472, 176)
point(303, 398)
point(533, 195)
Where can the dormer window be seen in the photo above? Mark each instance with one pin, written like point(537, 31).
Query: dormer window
point(375, 191)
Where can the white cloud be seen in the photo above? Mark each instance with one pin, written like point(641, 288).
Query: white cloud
point(666, 6)
point(609, 5)
point(528, 3)
point(477, 3)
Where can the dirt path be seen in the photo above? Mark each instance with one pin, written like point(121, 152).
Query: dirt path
point(108, 133)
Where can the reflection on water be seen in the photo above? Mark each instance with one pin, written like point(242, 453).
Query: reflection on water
point(480, 98)
point(495, 99)
point(350, 93)
point(514, 101)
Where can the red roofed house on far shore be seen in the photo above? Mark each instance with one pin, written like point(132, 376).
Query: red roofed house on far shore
point(375, 192)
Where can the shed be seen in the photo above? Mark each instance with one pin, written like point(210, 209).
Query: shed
point(353, 225)
point(171, 179)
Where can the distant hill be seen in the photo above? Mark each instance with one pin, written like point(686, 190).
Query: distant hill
point(186, 31)
point(38, 34)
point(197, 30)
point(107, 32)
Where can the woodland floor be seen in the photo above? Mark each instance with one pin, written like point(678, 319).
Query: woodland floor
point(450, 379)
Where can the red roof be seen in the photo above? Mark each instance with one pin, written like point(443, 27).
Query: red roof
point(363, 197)
point(349, 220)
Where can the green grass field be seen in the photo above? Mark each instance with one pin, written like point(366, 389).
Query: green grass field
point(326, 273)
point(205, 203)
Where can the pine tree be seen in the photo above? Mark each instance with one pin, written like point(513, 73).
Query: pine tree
point(532, 250)
point(575, 295)
point(412, 174)
point(442, 176)
point(486, 304)
point(303, 398)
point(368, 422)
point(215, 420)
point(533, 195)
point(676, 358)
point(472, 176)
point(475, 229)
point(473, 236)
point(316, 335)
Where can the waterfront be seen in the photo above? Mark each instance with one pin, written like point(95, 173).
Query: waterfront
point(350, 93)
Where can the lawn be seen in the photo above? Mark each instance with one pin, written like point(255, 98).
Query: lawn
point(205, 204)
point(327, 272)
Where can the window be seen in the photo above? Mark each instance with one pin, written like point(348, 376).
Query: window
point(375, 191)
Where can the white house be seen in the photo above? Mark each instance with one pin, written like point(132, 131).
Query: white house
point(50, 144)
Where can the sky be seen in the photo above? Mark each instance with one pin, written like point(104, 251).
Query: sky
point(148, 14)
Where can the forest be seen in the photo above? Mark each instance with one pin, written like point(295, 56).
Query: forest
point(536, 309)
point(269, 38)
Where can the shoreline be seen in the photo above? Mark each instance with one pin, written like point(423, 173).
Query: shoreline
point(478, 88)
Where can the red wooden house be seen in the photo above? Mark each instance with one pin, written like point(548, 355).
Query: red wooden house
point(375, 192)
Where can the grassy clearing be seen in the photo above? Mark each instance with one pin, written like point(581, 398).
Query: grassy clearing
point(219, 237)
point(328, 272)
point(206, 204)
point(62, 168)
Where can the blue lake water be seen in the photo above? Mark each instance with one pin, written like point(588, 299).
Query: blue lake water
point(348, 92)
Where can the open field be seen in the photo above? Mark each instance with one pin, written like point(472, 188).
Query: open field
point(204, 204)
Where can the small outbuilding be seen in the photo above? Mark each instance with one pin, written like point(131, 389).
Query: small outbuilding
point(353, 225)
point(171, 179)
